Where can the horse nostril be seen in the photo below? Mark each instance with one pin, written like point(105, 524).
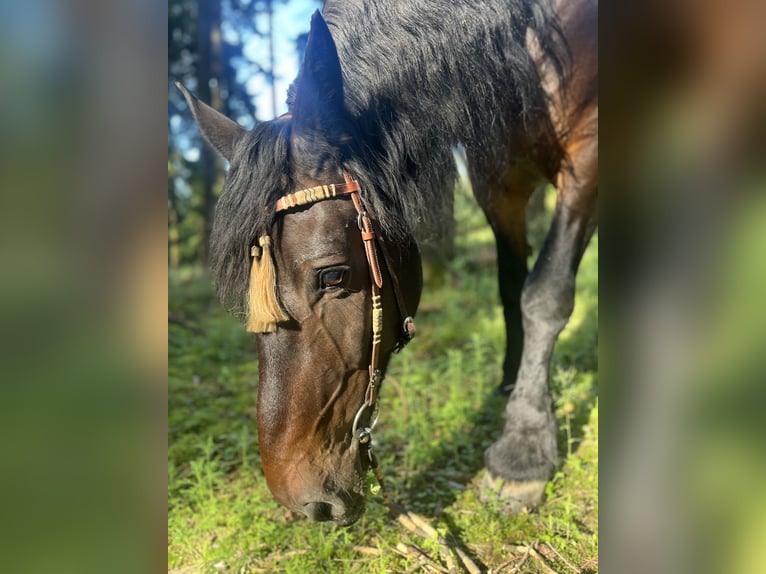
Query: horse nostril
point(318, 511)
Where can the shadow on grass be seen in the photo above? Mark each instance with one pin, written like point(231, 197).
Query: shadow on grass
point(485, 424)
point(212, 350)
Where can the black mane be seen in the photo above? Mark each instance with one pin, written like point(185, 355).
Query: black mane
point(423, 75)
point(245, 208)
point(420, 76)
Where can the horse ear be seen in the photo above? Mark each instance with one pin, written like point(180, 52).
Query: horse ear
point(318, 100)
point(218, 130)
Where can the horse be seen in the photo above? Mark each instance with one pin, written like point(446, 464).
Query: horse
point(313, 238)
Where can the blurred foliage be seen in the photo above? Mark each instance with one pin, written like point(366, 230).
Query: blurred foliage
point(724, 426)
point(206, 52)
point(85, 175)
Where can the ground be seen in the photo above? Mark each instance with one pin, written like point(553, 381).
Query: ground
point(438, 415)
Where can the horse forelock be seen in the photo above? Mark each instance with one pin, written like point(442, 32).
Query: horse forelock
point(259, 173)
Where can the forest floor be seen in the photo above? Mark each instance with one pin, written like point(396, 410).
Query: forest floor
point(439, 414)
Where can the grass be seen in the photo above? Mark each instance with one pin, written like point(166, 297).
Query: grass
point(438, 417)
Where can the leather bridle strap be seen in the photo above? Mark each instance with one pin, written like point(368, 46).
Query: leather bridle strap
point(408, 324)
point(371, 245)
point(376, 280)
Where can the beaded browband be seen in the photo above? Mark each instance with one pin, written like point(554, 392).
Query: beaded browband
point(314, 194)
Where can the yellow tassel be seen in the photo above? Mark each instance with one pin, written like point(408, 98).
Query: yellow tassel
point(264, 311)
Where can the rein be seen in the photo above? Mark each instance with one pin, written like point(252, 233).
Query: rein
point(371, 248)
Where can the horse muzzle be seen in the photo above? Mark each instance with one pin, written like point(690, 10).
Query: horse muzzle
point(344, 509)
point(333, 491)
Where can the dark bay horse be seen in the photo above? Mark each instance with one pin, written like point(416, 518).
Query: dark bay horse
point(313, 235)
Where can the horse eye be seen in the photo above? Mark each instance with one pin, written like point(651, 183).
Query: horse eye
point(332, 278)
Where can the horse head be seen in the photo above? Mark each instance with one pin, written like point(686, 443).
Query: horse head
point(296, 250)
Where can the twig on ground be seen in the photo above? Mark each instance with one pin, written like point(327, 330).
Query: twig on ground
point(524, 559)
point(367, 550)
point(564, 560)
point(444, 546)
point(467, 562)
point(537, 556)
point(406, 521)
point(412, 551)
point(420, 526)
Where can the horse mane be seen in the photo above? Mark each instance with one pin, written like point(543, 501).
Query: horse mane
point(420, 76)
point(245, 209)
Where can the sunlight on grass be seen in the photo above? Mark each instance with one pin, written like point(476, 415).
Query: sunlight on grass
point(439, 414)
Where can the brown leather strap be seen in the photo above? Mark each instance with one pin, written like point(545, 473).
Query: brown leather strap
point(376, 280)
point(368, 239)
point(408, 324)
point(368, 236)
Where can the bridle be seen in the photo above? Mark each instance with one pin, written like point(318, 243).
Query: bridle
point(371, 248)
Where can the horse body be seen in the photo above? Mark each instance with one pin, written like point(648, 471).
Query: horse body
point(385, 91)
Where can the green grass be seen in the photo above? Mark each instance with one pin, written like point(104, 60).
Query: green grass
point(438, 415)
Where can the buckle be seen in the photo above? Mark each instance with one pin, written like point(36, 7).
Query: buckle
point(409, 328)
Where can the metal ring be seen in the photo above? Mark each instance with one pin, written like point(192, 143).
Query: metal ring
point(409, 328)
point(356, 419)
point(359, 220)
point(376, 415)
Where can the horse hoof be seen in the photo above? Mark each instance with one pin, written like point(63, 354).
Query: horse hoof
point(512, 496)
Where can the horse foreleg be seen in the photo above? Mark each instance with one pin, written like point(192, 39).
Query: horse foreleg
point(523, 459)
point(504, 203)
point(512, 273)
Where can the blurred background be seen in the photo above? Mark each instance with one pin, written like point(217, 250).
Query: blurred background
point(238, 56)
point(683, 143)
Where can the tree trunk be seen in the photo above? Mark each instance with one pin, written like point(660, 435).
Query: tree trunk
point(209, 76)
